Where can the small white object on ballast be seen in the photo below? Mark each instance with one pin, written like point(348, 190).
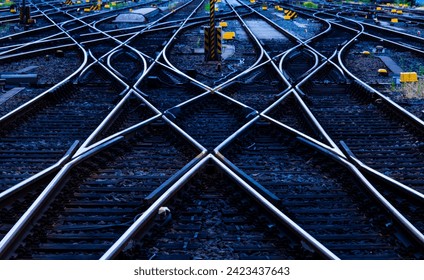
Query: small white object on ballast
point(163, 210)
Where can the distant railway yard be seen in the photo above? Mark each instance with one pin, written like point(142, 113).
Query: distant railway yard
point(221, 129)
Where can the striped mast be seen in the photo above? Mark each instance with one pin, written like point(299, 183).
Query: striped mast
point(212, 30)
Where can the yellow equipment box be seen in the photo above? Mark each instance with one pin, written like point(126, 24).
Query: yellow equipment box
point(408, 77)
point(229, 35)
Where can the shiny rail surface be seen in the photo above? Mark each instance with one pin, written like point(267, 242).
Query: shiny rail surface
point(119, 141)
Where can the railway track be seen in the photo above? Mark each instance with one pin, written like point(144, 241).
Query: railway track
point(212, 218)
point(372, 130)
point(258, 89)
point(210, 119)
point(165, 89)
point(95, 201)
point(31, 138)
point(333, 40)
point(157, 39)
point(141, 150)
point(297, 64)
point(127, 64)
point(404, 59)
point(317, 193)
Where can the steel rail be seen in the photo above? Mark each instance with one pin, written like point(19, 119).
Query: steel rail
point(120, 44)
point(321, 249)
point(366, 169)
point(286, 54)
point(27, 220)
point(88, 144)
point(246, 71)
point(410, 229)
point(109, 58)
point(169, 112)
point(270, 196)
point(37, 51)
point(314, 122)
point(94, 62)
point(147, 27)
point(253, 37)
point(152, 211)
point(9, 193)
point(48, 39)
point(163, 55)
point(409, 116)
point(43, 95)
point(258, 63)
point(200, 84)
point(25, 33)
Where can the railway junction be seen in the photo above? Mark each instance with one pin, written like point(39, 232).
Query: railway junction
point(221, 129)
